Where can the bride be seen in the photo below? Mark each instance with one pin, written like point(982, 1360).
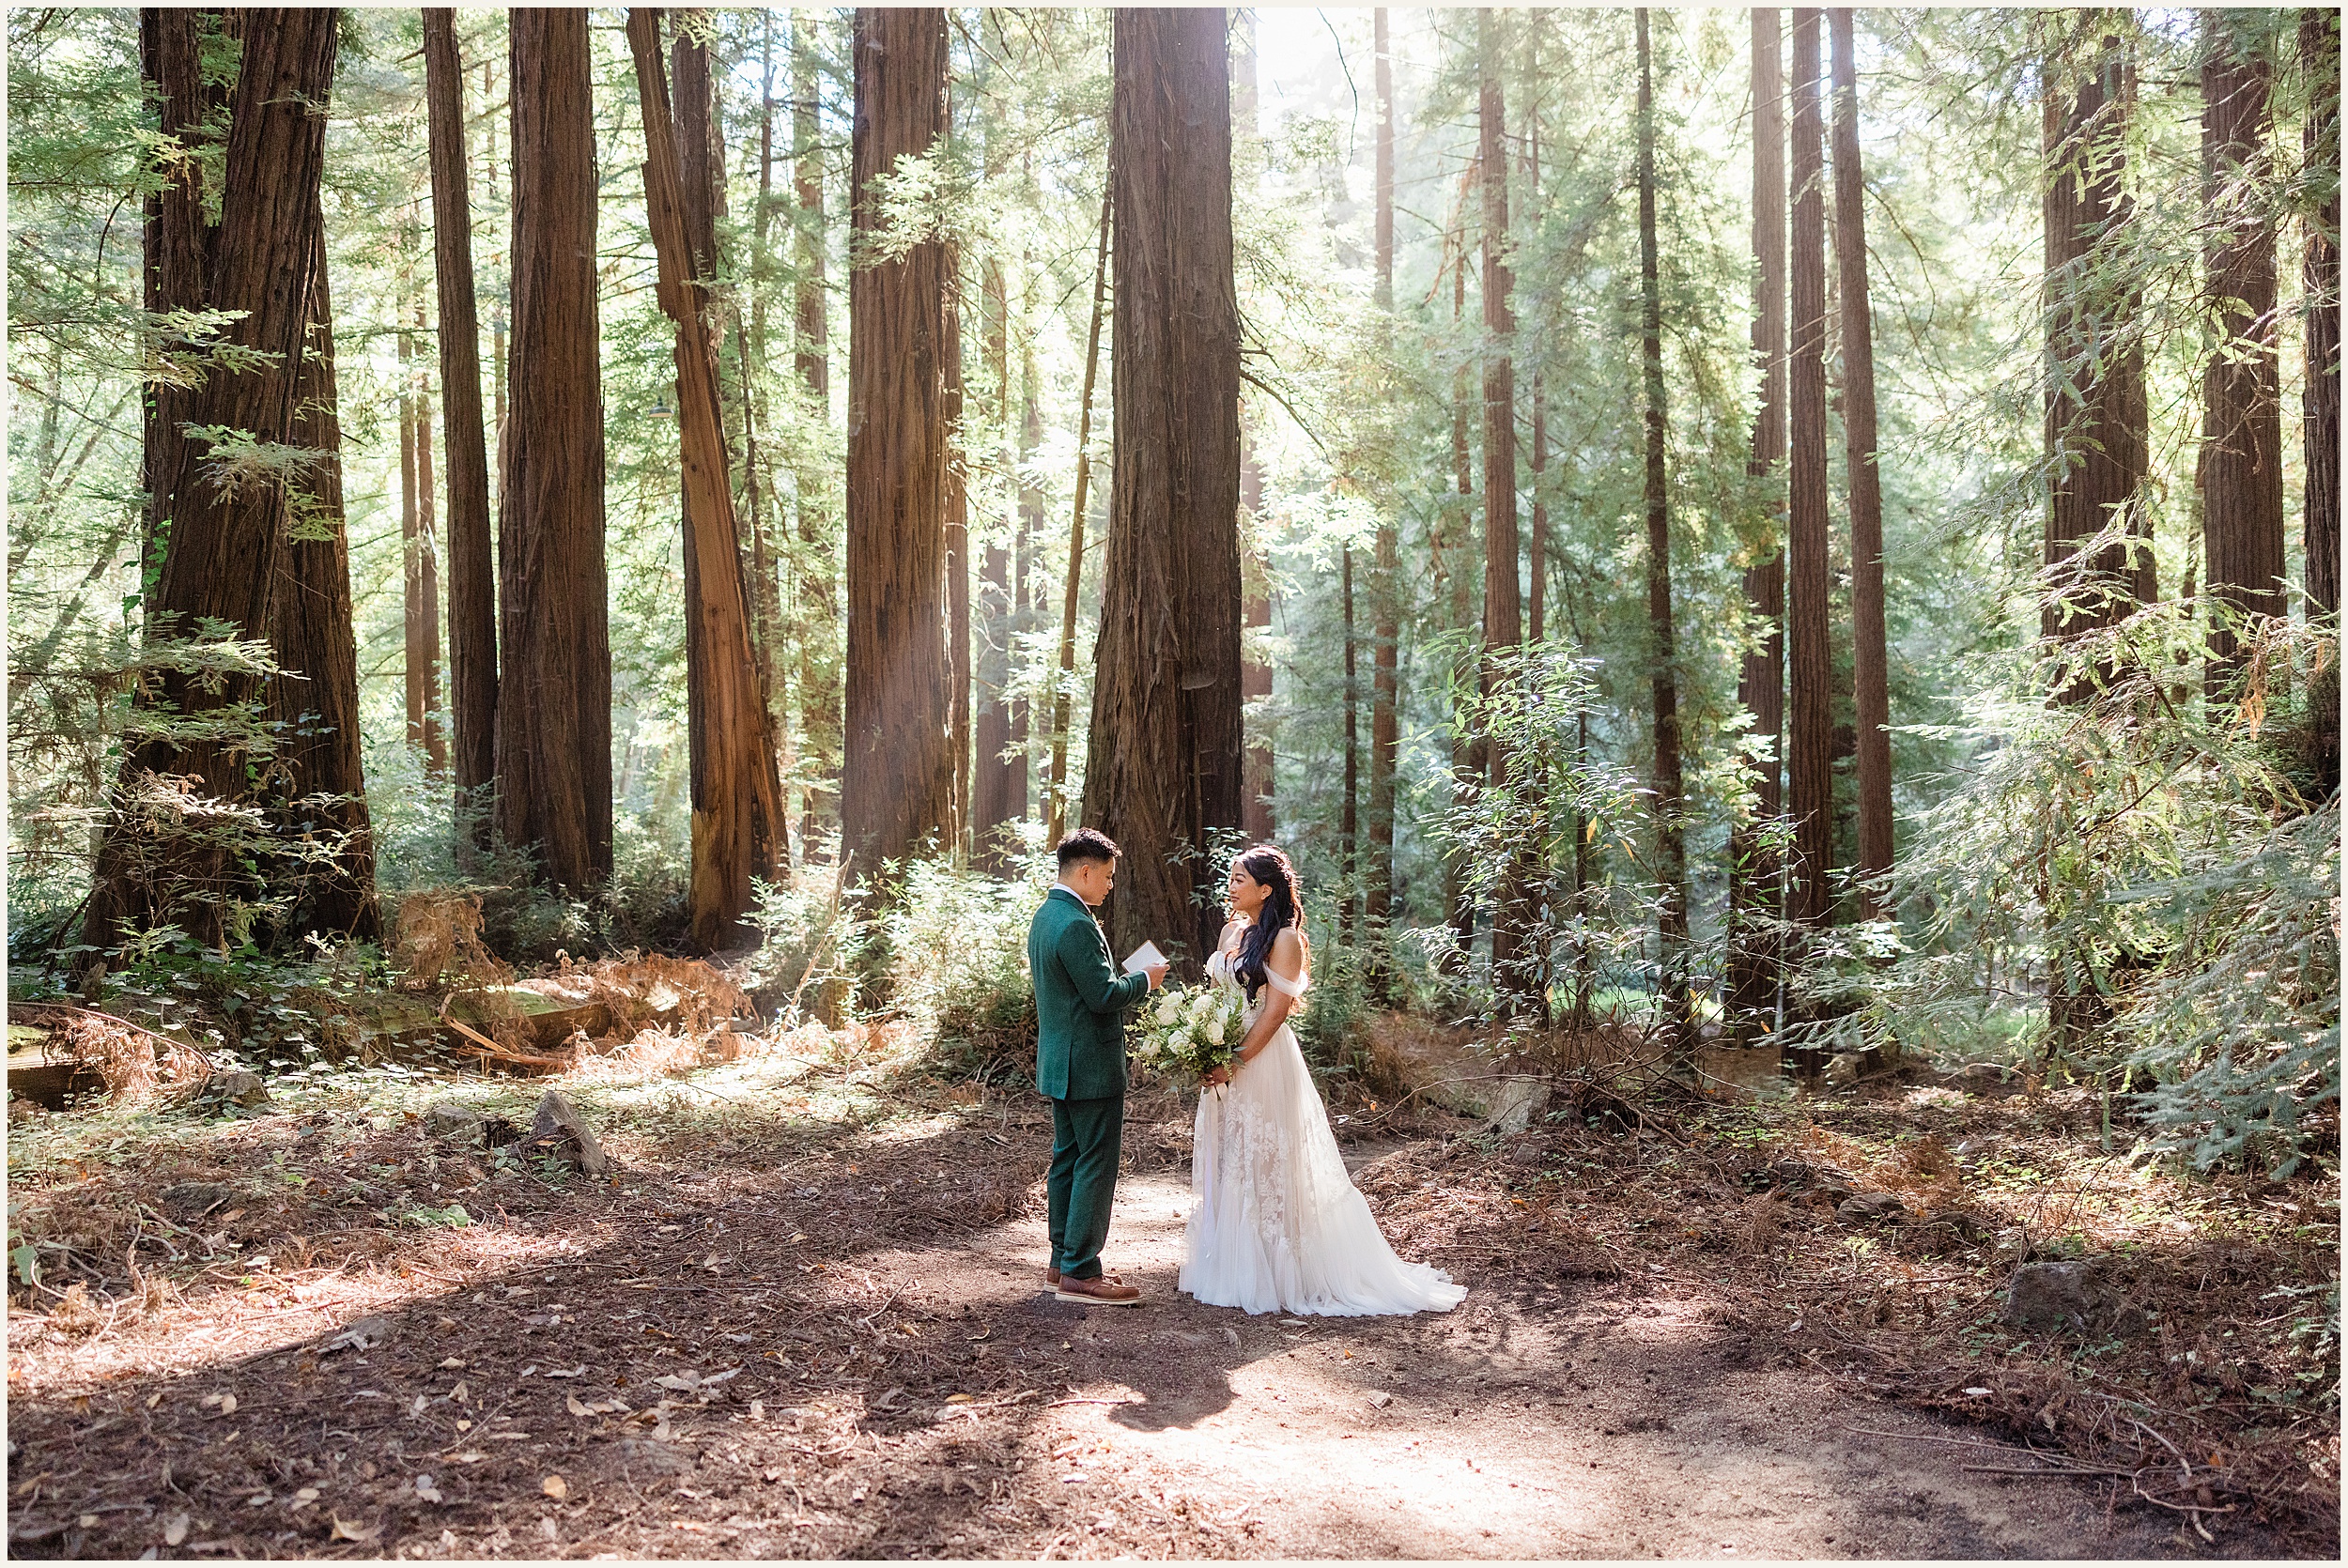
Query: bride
point(1276, 1225)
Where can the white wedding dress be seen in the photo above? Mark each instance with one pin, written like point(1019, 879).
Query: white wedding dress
point(1275, 1224)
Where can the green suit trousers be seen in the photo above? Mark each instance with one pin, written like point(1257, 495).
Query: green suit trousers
point(1082, 1184)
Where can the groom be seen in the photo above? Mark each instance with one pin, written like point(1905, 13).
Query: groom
point(1080, 1003)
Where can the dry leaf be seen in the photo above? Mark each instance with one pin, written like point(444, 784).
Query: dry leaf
point(451, 1362)
point(346, 1529)
point(579, 1370)
point(758, 1409)
point(426, 1490)
point(570, 1403)
point(228, 1404)
point(457, 1393)
point(153, 1400)
point(176, 1531)
point(555, 1487)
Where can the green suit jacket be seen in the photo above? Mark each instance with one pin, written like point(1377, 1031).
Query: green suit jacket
point(1080, 1002)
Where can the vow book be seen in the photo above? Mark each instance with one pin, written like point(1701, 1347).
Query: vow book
point(1144, 956)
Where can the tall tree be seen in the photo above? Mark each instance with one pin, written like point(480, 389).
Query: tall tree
point(1163, 766)
point(2319, 62)
point(1756, 890)
point(1385, 733)
point(219, 547)
point(998, 791)
point(176, 241)
point(897, 790)
point(957, 556)
point(1452, 542)
point(1349, 820)
point(738, 831)
point(1055, 813)
point(1256, 787)
point(1670, 856)
point(1810, 740)
point(2095, 400)
point(818, 588)
point(421, 600)
point(1504, 614)
point(1872, 691)
point(472, 655)
point(554, 700)
point(313, 702)
point(2241, 428)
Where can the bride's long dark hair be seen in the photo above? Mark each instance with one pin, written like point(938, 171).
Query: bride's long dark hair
point(1283, 907)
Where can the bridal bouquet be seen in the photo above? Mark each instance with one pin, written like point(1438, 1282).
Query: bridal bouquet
point(1189, 1031)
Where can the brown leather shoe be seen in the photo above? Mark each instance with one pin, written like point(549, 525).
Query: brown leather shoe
point(1107, 1291)
point(1051, 1273)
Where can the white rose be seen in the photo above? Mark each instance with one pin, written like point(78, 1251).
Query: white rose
point(1178, 1040)
point(1214, 1031)
point(1203, 1004)
point(1167, 1006)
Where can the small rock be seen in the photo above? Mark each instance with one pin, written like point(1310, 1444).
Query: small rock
point(22, 1110)
point(2048, 1293)
point(364, 1335)
point(1531, 1154)
point(238, 1088)
point(1968, 1227)
point(557, 1118)
point(452, 1122)
point(1845, 1069)
point(1381, 1398)
point(1870, 1207)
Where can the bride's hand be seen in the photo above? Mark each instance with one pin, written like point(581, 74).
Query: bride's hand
point(1216, 1079)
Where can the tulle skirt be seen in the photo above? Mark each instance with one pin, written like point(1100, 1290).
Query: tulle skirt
point(1275, 1224)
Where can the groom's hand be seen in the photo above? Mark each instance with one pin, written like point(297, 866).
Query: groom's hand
point(1157, 975)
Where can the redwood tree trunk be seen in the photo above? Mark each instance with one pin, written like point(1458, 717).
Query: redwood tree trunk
point(1255, 675)
point(223, 555)
point(999, 790)
point(316, 702)
point(2095, 401)
point(1504, 611)
point(897, 791)
point(2319, 56)
point(1163, 766)
point(554, 703)
point(1671, 853)
point(1385, 733)
point(738, 832)
point(2243, 478)
point(1872, 690)
point(1349, 826)
point(957, 558)
point(1809, 751)
point(177, 244)
point(1756, 889)
point(818, 595)
point(472, 656)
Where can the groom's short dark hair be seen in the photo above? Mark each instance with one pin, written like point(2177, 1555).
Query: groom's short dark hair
point(1089, 843)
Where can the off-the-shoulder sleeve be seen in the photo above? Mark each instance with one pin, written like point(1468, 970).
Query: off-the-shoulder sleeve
point(1285, 986)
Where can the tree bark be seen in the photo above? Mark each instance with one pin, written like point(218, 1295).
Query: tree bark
point(554, 701)
point(998, 795)
point(1163, 767)
point(176, 245)
point(2243, 408)
point(420, 597)
point(1670, 835)
point(1451, 560)
point(2096, 403)
point(897, 791)
point(1809, 751)
point(472, 660)
point(1385, 733)
point(220, 555)
point(315, 701)
point(821, 741)
point(1504, 610)
point(738, 832)
point(2319, 56)
point(957, 558)
point(1872, 692)
point(1756, 890)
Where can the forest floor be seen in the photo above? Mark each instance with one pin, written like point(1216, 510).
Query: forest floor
point(805, 1317)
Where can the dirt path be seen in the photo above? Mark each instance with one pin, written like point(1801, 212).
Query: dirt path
point(1597, 1421)
point(830, 1338)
